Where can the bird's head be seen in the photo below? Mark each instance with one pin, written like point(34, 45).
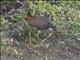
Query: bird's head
point(29, 16)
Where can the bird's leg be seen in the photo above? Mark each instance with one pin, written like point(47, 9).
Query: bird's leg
point(39, 40)
point(30, 38)
point(50, 34)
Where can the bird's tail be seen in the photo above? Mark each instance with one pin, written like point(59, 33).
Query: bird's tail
point(53, 27)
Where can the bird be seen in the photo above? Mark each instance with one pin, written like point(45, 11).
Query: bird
point(40, 21)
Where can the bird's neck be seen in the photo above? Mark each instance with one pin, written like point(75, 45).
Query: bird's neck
point(29, 17)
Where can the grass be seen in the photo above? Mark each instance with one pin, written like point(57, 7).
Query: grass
point(64, 14)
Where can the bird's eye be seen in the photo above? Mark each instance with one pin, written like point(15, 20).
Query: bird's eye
point(26, 18)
